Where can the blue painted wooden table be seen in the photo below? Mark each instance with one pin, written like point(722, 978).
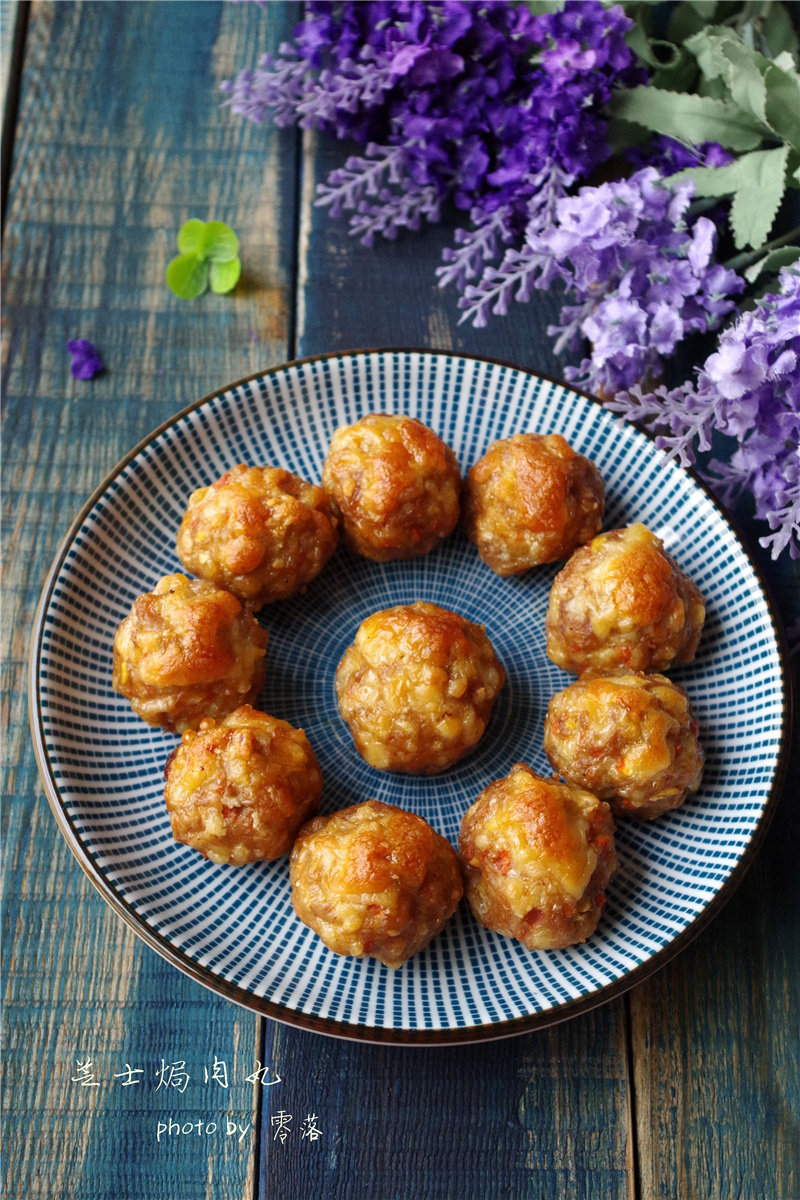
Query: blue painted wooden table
point(117, 1065)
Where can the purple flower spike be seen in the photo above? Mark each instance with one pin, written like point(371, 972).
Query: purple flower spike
point(469, 99)
point(749, 391)
point(86, 362)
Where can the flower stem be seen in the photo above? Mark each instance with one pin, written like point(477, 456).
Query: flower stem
point(747, 257)
point(703, 205)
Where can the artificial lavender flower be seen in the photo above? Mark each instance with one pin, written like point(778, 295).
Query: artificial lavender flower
point(748, 389)
point(86, 361)
point(642, 275)
point(469, 102)
point(522, 269)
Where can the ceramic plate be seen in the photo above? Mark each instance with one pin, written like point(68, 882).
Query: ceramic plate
point(234, 929)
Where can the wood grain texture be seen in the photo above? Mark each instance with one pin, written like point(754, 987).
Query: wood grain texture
point(716, 1042)
point(13, 29)
point(542, 1116)
point(120, 138)
point(688, 1088)
point(716, 1035)
point(352, 296)
point(9, 13)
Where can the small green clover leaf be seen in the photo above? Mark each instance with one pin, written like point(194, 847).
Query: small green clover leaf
point(187, 275)
point(209, 258)
point(223, 276)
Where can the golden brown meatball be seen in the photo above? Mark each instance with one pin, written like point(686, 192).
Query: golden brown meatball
point(622, 602)
point(373, 879)
point(188, 650)
point(630, 738)
point(417, 687)
point(536, 855)
point(261, 532)
point(531, 499)
point(396, 484)
point(239, 790)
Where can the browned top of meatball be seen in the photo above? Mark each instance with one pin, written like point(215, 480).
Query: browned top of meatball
point(187, 650)
point(374, 879)
point(378, 846)
point(239, 789)
point(629, 737)
point(396, 483)
point(623, 601)
point(538, 825)
point(419, 631)
point(536, 855)
point(262, 532)
point(182, 633)
point(531, 499)
point(417, 687)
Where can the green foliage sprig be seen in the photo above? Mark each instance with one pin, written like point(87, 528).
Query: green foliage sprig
point(735, 83)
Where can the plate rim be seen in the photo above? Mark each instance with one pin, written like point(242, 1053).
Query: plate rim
point(342, 1030)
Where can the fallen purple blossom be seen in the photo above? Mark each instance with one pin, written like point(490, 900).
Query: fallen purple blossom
point(86, 361)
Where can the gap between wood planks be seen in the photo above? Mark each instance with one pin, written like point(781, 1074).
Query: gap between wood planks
point(12, 70)
point(634, 1182)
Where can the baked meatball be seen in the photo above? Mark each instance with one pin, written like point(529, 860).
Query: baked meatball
point(396, 484)
point(261, 532)
point(536, 855)
point(238, 790)
point(417, 687)
point(373, 879)
point(531, 499)
point(622, 602)
point(188, 650)
point(629, 737)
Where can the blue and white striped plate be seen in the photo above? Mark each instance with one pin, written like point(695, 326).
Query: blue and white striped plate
point(234, 929)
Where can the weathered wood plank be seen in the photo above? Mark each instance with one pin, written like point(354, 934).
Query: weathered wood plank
point(13, 26)
point(717, 1041)
point(9, 12)
point(545, 1115)
point(352, 296)
point(120, 138)
point(716, 1036)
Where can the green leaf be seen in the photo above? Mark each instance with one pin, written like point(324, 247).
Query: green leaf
point(539, 7)
point(639, 43)
point(689, 118)
point(224, 276)
point(785, 62)
point(703, 8)
point(745, 80)
point(716, 88)
point(758, 197)
point(772, 262)
point(783, 104)
point(683, 23)
point(679, 74)
point(189, 235)
point(712, 181)
point(187, 276)
point(779, 34)
point(706, 46)
point(219, 243)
